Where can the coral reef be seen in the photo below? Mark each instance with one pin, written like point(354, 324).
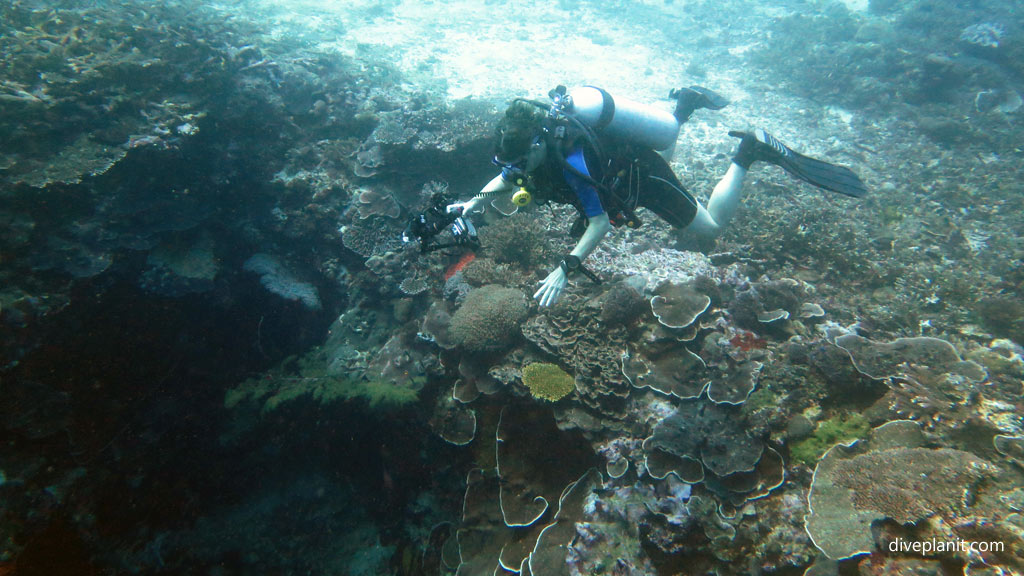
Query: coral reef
point(277, 279)
point(158, 158)
point(176, 269)
point(622, 305)
point(573, 335)
point(893, 476)
point(983, 34)
point(679, 372)
point(376, 202)
point(828, 433)
point(386, 371)
point(483, 271)
point(377, 237)
point(734, 446)
point(524, 509)
point(547, 381)
point(678, 305)
point(453, 421)
point(520, 239)
point(489, 319)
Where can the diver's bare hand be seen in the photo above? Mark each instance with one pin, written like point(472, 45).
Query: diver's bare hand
point(457, 208)
point(551, 287)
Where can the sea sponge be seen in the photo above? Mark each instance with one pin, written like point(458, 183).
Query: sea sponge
point(490, 319)
point(547, 381)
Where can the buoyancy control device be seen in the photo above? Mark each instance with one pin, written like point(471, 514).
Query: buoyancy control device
point(591, 111)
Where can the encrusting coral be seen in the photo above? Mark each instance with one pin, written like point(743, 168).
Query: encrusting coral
point(547, 381)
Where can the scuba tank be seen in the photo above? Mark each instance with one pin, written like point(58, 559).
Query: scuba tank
point(589, 111)
point(622, 118)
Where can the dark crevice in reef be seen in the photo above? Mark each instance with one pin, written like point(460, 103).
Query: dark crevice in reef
point(116, 431)
point(137, 385)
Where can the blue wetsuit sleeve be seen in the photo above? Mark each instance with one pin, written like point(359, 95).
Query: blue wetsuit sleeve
point(584, 190)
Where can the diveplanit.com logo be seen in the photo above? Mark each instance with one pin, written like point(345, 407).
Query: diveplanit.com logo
point(926, 547)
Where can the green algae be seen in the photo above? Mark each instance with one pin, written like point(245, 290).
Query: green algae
point(277, 389)
point(829, 432)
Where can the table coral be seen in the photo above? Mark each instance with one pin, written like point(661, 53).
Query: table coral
point(892, 476)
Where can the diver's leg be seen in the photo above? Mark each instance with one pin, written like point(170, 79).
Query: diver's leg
point(722, 205)
point(689, 100)
point(662, 193)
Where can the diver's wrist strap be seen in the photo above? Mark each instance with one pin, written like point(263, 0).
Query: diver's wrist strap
point(572, 264)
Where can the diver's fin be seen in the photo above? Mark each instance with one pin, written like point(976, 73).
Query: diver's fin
point(762, 146)
point(689, 100)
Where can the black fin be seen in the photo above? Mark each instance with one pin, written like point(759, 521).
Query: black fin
point(760, 145)
point(689, 100)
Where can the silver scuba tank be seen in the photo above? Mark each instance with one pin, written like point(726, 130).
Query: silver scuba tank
point(624, 118)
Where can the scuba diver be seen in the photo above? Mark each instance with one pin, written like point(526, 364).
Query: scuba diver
point(607, 156)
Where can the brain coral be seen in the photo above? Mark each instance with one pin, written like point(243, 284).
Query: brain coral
point(489, 319)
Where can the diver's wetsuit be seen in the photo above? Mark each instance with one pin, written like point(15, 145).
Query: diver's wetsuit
point(659, 189)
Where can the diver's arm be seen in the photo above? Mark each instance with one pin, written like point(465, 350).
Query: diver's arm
point(597, 228)
point(497, 185)
point(552, 286)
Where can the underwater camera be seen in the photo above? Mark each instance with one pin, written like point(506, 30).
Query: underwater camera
point(427, 226)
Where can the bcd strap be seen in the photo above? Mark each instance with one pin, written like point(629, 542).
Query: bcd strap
point(607, 108)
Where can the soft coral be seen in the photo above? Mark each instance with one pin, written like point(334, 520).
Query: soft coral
point(747, 341)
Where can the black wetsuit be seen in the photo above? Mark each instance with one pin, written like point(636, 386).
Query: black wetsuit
point(630, 176)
